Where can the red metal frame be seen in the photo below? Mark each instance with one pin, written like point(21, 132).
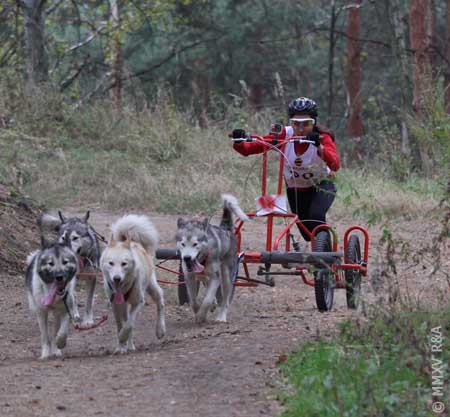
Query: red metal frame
point(271, 244)
point(255, 257)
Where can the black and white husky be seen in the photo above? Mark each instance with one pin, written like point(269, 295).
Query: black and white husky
point(209, 253)
point(129, 272)
point(50, 280)
point(83, 241)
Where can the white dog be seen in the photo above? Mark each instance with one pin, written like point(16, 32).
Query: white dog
point(129, 271)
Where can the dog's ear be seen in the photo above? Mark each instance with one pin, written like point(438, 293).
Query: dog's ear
point(86, 216)
point(45, 244)
point(205, 223)
point(112, 242)
point(127, 242)
point(61, 216)
point(180, 223)
point(66, 241)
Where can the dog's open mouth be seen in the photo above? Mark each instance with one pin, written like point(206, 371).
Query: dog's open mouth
point(60, 287)
point(118, 297)
point(57, 288)
point(194, 266)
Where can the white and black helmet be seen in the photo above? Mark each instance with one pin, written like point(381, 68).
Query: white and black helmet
point(302, 105)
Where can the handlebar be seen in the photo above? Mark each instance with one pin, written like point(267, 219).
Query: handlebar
point(274, 140)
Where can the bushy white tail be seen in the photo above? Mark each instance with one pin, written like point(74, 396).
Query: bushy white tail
point(230, 202)
point(137, 228)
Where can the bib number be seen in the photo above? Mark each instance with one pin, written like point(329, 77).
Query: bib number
point(305, 175)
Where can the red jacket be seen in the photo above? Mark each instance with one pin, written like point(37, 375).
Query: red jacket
point(329, 151)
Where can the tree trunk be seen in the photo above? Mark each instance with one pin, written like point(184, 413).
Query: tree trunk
point(419, 20)
point(256, 87)
point(116, 56)
point(332, 43)
point(201, 91)
point(447, 58)
point(393, 9)
point(355, 128)
point(36, 56)
point(432, 38)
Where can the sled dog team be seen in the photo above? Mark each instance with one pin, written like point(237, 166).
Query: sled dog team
point(207, 252)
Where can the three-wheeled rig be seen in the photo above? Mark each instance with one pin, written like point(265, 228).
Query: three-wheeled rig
point(326, 267)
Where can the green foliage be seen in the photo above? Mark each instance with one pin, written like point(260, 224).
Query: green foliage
point(434, 128)
point(373, 195)
point(207, 50)
point(381, 367)
point(141, 157)
point(150, 156)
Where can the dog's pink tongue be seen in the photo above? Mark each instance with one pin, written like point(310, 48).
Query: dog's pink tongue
point(198, 267)
point(118, 297)
point(50, 297)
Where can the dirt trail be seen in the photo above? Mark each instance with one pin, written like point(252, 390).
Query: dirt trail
point(215, 369)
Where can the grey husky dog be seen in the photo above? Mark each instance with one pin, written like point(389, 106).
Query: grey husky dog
point(129, 271)
point(83, 241)
point(50, 280)
point(209, 253)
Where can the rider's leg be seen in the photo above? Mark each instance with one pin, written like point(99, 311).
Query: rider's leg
point(321, 201)
point(300, 202)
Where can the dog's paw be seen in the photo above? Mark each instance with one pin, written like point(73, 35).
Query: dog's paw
point(61, 341)
point(57, 353)
point(131, 346)
point(200, 318)
point(221, 318)
point(88, 321)
point(120, 350)
point(160, 330)
point(44, 356)
point(124, 333)
point(77, 318)
point(45, 353)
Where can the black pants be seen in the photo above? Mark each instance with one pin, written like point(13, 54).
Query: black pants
point(312, 206)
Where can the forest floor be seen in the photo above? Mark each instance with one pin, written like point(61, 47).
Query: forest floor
point(215, 369)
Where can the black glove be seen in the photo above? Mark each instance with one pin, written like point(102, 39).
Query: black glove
point(238, 134)
point(314, 136)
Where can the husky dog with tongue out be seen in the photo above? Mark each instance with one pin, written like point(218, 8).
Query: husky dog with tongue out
point(50, 280)
point(209, 253)
point(129, 272)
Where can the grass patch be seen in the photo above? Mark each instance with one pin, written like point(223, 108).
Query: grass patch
point(381, 367)
point(375, 196)
point(156, 158)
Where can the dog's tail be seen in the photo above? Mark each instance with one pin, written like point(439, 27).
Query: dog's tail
point(47, 222)
point(137, 228)
point(230, 206)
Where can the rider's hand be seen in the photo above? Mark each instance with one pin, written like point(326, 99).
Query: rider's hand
point(238, 134)
point(314, 137)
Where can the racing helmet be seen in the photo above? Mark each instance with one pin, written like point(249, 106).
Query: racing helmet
point(302, 105)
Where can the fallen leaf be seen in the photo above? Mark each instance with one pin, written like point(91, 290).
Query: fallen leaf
point(281, 359)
